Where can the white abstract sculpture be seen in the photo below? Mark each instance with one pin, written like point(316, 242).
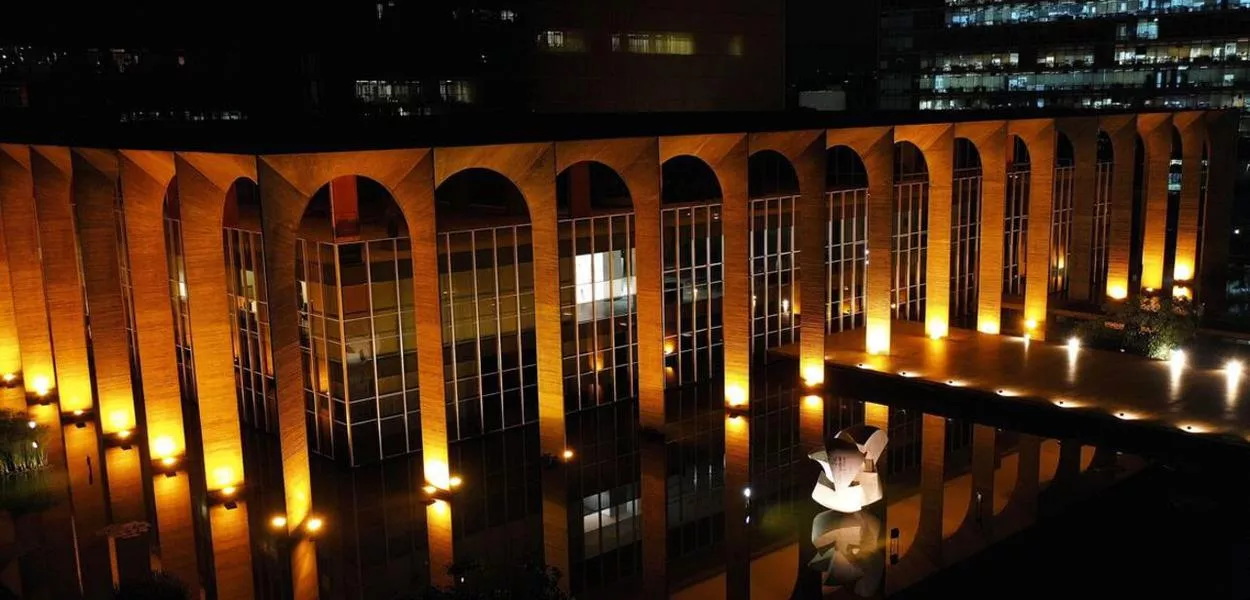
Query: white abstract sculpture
point(849, 551)
point(848, 480)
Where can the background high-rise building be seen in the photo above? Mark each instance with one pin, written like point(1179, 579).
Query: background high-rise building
point(974, 54)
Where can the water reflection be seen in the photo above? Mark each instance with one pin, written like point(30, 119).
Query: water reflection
point(716, 504)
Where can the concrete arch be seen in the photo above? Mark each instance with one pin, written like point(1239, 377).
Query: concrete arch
point(30, 350)
point(989, 139)
point(936, 144)
point(875, 147)
point(605, 171)
point(1037, 137)
point(787, 178)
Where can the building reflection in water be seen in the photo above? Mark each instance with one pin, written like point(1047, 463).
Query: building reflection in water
point(946, 487)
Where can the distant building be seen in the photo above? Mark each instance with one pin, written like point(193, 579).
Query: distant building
point(974, 54)
point(405, 58)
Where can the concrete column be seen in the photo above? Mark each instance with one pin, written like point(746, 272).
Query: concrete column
point(25, 270)
point(875, 146)
point(94, 188)
point(52, 172)
point(415, 197)
point(282, 208)
point(990, 140)
point(179, 554)
point(984, 462)
point(1221, 175)
point(1122, 129)
point(1156, 134)
point(50, 534)
point(10, 347)
point(731, 170)
point(928, 542)
point(146, 178)
point(654, 499)
point(937, 144)
point(127, 504)
point(1039, 136)
point(1193, 132)
point(1083, 133)
point(232, 551)
point(202, 181)
point(737, 531)
point(806, 152)
point(86, 471)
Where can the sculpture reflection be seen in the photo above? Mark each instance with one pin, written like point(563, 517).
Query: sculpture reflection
point(849, 480)
point(849, 546)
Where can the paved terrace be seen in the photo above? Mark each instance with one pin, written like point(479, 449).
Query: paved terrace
point(1118, 394)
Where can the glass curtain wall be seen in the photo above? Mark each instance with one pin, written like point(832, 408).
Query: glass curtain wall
point(965, 235)
point(599, 347)
point(773, 188)
point(247, 297)
point(1062, 210)
point(846, 239)
point(176, 265)
point(1102, 217)
point(910, 233)
point(1016, 220)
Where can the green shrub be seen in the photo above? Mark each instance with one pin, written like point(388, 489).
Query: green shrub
point(1145, 325)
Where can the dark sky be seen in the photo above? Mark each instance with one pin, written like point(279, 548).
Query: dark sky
point(836, 36)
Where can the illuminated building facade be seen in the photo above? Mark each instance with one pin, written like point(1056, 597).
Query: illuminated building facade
point(589, 305)
point(1155, 54)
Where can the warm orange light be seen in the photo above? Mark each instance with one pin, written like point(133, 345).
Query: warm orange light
point(169, 461)
point(437, 473)
point(10, 377)
point(163, 447)
point(224, 477)
point(878, 340)
point(42, 386)
point(78, 412)
point(440, 508)
point(119, 420)
point(1030, 324)
point(429, 489)
point(813, 401)
point(568, 454)
point(669, 347)
point(1117, 292)
point(455, 481)
point(735, 395)
point(990, 326)
point(123, 434)
point(1181, 291)
point(32, 424)
point(228, 490)
point(278, 521)
point(937, 328)
point(1183, 271)
point(314, 524)
point(814, 375)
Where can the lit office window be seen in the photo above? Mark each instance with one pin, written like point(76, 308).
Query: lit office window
point(249, 319)
point(654, 43)
point(846, 241)
point(456, 91)
point(692, 272)
point(387, 92)
point(598, 308)
point(1147, 29)
point(1016, 220)
point(910, 232)
point(561, 41)
point(486, 281)
point(358, 337)
point(248, 300)
point(965, 235)
point(1062, 209)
